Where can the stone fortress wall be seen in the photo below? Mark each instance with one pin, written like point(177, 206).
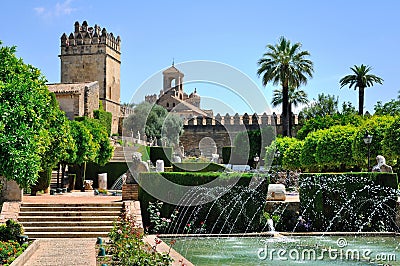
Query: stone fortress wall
point(223, 129)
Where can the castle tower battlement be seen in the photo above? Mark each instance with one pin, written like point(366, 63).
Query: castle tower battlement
point(84, 35)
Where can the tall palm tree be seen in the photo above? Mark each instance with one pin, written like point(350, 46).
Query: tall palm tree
point(285, 64)
point(296, 97)
point(361, 80)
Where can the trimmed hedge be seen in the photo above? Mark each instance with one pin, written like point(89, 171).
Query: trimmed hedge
point(349, 201)
point(197, 167)
point(226, 154)
point(239, 210)
point(113, 170)
point(161, 153)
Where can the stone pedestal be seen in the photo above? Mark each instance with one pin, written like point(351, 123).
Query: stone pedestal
point(130, 192)
point(276, 192)
point(11, 190)
point(102, 181)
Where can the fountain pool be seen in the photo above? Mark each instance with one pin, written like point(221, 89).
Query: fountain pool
point(290, 250)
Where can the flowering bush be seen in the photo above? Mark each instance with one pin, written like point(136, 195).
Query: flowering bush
point(10, 250)
point(128, 248)
point(159, 224)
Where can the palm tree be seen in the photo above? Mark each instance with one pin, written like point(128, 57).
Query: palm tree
point(361, 80)
point(285, 64)
point(296, 97)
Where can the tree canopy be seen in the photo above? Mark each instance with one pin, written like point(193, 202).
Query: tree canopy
point(360, 79)
point(285, 65)
point(155, 122)
point(27, 116)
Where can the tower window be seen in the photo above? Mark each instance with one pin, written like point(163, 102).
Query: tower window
point(167, 104)
point(173, 105)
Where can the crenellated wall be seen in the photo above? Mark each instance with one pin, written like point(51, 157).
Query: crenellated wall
point(223, 129)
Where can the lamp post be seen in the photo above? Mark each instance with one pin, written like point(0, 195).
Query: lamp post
point(367, 140)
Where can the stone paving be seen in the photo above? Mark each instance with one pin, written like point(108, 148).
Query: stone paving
point(64, 252)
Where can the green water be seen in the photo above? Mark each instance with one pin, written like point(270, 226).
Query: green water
point(324, 250)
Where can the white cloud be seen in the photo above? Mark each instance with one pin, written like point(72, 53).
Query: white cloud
point(58, 10)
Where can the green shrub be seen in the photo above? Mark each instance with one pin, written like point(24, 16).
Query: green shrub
point(391, 140)
point(349, 201)
point(197, 167)
point(10, 230)
point(145, 151)
point(10, 250)
point(246, 201)
point(105, 119)
point(127, 246)
point(376, 126)
point(280, 144)
point(226, 154)
point(161, 153)
point(113, 169)
point(334, 148)
point(291, 157)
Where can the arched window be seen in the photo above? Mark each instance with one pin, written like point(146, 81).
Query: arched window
point(167, 104)
point(173, 105)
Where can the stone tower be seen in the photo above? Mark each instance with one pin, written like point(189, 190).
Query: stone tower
point(92, 54)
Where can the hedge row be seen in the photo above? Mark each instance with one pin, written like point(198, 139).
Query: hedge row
point(105, 119)
point(236, 211)
point(197, 167)
point(349, 201)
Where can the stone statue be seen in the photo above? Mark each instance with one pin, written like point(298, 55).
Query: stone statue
point(135, 168)
point(382, 166)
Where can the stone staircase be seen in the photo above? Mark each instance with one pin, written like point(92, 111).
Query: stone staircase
point(120, 153)
point(41, 220)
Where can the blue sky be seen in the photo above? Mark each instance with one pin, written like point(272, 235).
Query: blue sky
point(338, 34)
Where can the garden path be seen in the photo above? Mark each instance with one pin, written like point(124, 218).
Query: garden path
point(64, 252)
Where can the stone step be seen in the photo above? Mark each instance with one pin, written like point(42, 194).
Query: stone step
point(34, 235)
point(65, 218)
point(50, 224)
point(119, 204)
point(69, 208)
point(69, 229)
point(70, 213)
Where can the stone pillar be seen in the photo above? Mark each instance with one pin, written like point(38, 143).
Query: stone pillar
point(11, 190)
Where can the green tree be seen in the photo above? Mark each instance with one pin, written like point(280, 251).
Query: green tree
point(391, 139)
point(250, 143)
point(296, 97)
point(172, 128)
point(308, 153)
point(291, 157)
point(100, 136)
point(390, 108)
point(285, 65)
point(377, 127)
point(25, 107)
point(360, 79)
point(322, 106)
point(154, 121)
